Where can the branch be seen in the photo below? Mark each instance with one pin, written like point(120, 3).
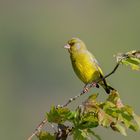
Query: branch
point(38, 129)
point(113, 71)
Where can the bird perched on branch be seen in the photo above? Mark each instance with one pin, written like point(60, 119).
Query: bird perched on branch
point(85, 65)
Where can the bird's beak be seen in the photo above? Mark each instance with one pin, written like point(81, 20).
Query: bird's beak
point(67, 46)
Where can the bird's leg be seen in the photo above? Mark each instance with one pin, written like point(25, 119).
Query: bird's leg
point(88, 86)
point(94, 84)
point(97, 85)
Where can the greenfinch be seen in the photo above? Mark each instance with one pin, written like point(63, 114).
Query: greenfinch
point(85, 65)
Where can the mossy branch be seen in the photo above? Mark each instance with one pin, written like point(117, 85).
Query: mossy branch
point(91, 114)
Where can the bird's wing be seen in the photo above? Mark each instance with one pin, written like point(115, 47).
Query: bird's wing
point(95, 62)
point(93, 59)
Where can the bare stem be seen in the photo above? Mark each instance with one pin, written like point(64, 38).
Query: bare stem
point(38, 129)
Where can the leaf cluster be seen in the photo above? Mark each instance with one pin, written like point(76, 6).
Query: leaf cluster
point(131, 59)
point(81, 122)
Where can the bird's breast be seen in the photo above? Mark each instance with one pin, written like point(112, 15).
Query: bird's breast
point(85, 69)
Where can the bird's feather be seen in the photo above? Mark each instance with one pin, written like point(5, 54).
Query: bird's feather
point(84, 64)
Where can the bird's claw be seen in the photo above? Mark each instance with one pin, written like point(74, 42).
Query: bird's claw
point(95, 85)
point(85, 90)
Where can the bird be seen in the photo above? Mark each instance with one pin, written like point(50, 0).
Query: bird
point(85, 64)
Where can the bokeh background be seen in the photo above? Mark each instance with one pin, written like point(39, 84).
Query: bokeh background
point(35, 70)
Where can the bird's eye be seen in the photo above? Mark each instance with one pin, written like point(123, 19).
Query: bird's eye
point(71, 43)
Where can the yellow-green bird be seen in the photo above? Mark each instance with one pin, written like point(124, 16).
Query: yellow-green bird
point(84, 64)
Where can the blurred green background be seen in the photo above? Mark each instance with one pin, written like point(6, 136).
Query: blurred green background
point(35, 70)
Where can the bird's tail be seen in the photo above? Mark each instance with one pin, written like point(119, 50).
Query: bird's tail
point(106, 87)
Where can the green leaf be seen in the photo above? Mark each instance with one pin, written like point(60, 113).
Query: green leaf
point(92, 113)
point(77, 116)
point(134, 64)
point(80, 134)
point(88, 120)
point(58, 115)
point(131, 58)
point(137, 119)
point(91, 105)
point(113, 97)
point(104, 119)
point(119, 128)
point(46, 136)
point(128, 109)
point(72, 115)
point(134, 127)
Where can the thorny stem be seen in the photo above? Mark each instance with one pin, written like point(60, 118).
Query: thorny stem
point(85, 90)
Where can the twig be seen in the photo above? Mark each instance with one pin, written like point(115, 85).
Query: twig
point(113, 71)
point(38, 129)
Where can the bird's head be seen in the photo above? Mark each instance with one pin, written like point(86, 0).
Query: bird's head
point(75, 45)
